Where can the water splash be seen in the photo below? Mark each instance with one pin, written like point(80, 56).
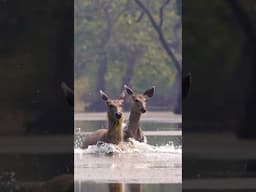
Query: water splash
point(78, 138)
point(8, 182)
point(128, 162)
point(132, 146)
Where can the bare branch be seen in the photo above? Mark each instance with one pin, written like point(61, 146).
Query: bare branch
point(160, 36)
point(161, 12)
point(140, 17)
point(126, 7)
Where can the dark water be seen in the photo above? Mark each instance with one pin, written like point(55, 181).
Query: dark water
point(33, 167)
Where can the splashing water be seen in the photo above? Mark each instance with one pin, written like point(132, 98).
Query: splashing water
point(8, 182)
point(132, 146)
point(128, 162)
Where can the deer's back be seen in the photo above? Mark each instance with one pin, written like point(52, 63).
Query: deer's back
point(92, 139)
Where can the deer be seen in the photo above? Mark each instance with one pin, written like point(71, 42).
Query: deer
point(65, 183)
point(139, 101)
point(114, 133)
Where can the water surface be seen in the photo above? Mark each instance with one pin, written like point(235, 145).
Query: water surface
point(155, 166)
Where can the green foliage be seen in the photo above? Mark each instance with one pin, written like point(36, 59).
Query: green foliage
point(148, 74)
point(130, 41)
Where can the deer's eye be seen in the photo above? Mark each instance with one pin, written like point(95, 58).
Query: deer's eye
point(137, 101)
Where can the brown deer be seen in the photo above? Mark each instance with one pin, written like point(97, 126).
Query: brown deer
point(133, 128)
point(120, 187)
point(114, 133)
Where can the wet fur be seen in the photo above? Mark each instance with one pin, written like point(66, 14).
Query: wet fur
point(114, 133)
point(133, 129)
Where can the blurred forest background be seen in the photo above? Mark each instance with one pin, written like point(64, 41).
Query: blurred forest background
point(219, 43)
point(133, 42)
point(36, 55)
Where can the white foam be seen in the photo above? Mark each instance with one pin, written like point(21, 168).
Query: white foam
point(132, 146)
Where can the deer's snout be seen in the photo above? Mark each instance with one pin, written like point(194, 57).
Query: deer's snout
point(143, 110)
point(118, 115)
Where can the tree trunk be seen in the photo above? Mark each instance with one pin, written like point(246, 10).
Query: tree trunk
point(128, 75)
point(101, 84)
point(167, 49)
point(161, 36)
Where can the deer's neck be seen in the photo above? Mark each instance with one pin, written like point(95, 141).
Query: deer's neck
point(115, 132)
point(134, 121)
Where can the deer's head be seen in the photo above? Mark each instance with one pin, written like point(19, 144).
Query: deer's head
point(140, 100)
point(114, 106)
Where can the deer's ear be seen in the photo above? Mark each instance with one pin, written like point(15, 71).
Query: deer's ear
point(103, 95)
point(186, 84)
point(122, 96)
point(128, 90)
point(149, 92)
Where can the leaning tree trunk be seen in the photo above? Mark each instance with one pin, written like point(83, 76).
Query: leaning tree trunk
point(129, 72)
point(101, 84)
point(165, 45)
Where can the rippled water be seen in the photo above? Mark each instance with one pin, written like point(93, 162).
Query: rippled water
point(148, 165)
point(145, 164)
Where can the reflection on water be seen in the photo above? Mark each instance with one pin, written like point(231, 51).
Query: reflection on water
point(129, 168)
point(156, 166)
point(120, 187)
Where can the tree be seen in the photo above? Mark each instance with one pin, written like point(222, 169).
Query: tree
point(158, 28)
point(131, 55)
